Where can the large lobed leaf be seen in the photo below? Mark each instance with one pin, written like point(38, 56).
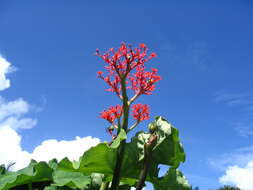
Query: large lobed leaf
point(71, 179)
point(35, 172)
point(168, 150)
point(172, 180)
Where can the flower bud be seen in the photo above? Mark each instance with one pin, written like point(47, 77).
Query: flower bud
point(111, 128)
point(152, 127)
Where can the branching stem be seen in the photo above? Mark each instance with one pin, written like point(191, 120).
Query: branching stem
point(121, 150)
point(133, 126)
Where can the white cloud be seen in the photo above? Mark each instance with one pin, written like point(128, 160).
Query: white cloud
point(10, 149)
point(238, 157)
point(12, 152)
point(5, 67)
point(12, 114)
point(15, 123)
point(12, 118)
point(239, 176)
point(237, 167)
point(13, 108)
point(73, 149)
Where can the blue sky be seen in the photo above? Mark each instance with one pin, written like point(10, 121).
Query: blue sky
point(204, 57)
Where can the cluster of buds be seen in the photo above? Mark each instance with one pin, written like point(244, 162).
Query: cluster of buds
point(125, 70)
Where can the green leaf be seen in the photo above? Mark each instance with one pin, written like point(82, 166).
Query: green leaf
point(172, 180)
point(124, 187)
point(120, 137)
point(2, 169)
point(51, 188)
point(98, 159)
point(96, 181)
point(102, 159)
point(53, 164)
point(71, 179)
point(35, 172)
point(168, 150)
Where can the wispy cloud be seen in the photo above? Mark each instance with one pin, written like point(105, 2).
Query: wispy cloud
point(239, 157)
point(199, 54)
point(237, 165)
point(243, 100)
point(12, 114)
point(195, 54)
point(245, 129)
point(198, 181)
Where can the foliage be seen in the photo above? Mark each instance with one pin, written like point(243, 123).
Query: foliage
point(228, 187)
point(84, 174)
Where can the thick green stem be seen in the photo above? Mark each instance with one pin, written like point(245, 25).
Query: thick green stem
point(104, 186)
point(117, 170)
point(125, 106)
point(121, 150)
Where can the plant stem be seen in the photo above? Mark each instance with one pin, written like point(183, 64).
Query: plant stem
point(117, 170)
point(121, 150)
point(147, 157)
point(144, 172)
point(133, 126)
point(30, 187)
point(104, 186)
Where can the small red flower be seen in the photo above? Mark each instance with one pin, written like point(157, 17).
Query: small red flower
point(100, 73)
point(140, 112)
point(142, 46)
point(112, 113)
point(152, 55)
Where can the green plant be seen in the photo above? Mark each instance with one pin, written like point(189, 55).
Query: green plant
point(228, 187)
point(120, 164)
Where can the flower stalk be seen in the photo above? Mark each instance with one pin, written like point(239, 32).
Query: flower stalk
point(126, 71)
point(121, 151)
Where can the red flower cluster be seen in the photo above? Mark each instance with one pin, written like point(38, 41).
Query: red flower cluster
point(143, 82)
point(140, 112)
point(113, 83)
point(112, 113)
point(121, 62)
